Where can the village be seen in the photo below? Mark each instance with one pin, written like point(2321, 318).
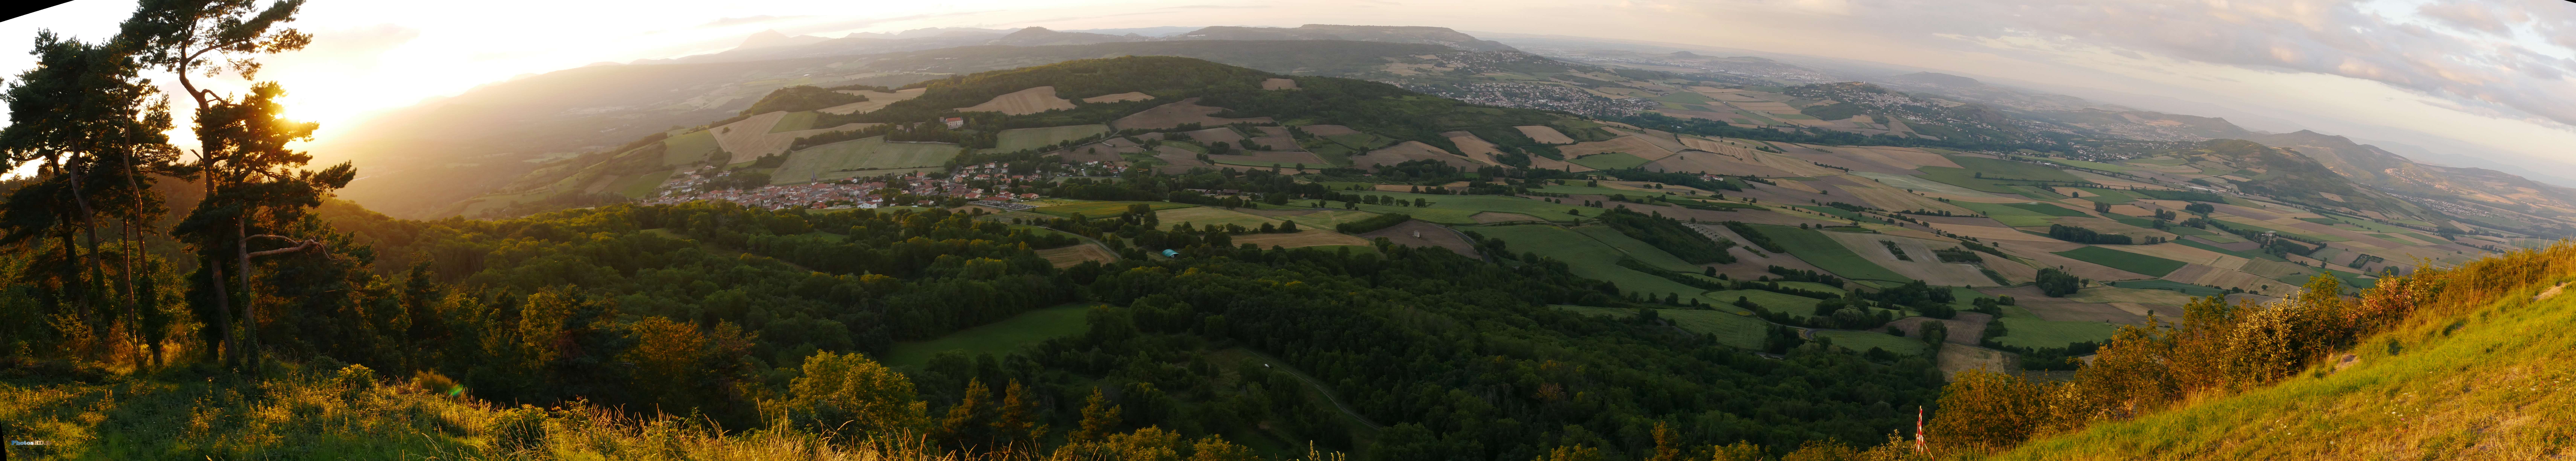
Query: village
point(987, 182)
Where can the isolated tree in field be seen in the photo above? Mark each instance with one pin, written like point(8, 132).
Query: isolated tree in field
point(92, 129)
point(190, 38)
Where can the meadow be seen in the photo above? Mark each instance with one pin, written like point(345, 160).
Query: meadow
point(1013, 140)
point(1864, 341)
point(2036, 333)
point(1589, 258)
point(1827, 254)
point(1097, 210)
point(2008, 215)
point(2122, 260)
point(998, 338)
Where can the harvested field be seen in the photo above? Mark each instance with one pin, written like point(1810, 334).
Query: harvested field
point(1903, 158)
point(1490, 217)
point(1554, 164)
point(1695, 161)
point(1274, 138)
point(1794, 165)
point(1176, 156)
point(2222, 278)
point(1544, 134)
point(1731, 148)
point(1292, 159)
point(1423, 234)
point(868, 156)
point(1959, 358)
point(1918, 183)
point(1279, 84)
point(1476, 148)
point(876, 100)
point(1214, 135)
point(1013, 140)
point(750, 138)
point(1610, 161)
point(1890, 198)
point(1022, 102)
point(1072, 255)
point(1990, 232)
point(2040, 256)
point(1410, 151)
point(1965, 328)
point(1327, 219)
point(1093, 152)
point(1172, 115)
point(1631, 144)
point(1301, 239)
point(1120, 97)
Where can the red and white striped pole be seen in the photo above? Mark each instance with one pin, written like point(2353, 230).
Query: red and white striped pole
point(1918, 428)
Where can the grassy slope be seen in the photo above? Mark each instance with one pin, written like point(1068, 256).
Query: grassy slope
point(1590, 258)
point(2489, 384)
point(998, 338)
point(1826, 253)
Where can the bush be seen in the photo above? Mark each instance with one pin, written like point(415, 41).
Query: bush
point(518, 429)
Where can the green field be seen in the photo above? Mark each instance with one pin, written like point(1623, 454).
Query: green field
point(640, 185)
point(2077, 163)
point(1827, 254)
point(689, 148)
point(1863, 341)
point(1609, 161)
point(1327, 219)
point(2169, 285)
point(1577, 187)
point(2122, 260)
point(1810, 286)
point(1645, 252)
point(1589, 258)
point(860, 157)
point(1996, 168)
point(1730, 328)
point(2035, 333)
point(2009, 215)
point(1459, 209)
point(2050, 209)
point(998, 338)
point(1842, 213)
point(1017, 139)
point(2136, 221)
point(1361, 142)
point(1097, 210)
point(1799, 306)
point(794, 121)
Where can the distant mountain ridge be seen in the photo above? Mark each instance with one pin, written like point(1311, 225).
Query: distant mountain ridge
point(770, 45)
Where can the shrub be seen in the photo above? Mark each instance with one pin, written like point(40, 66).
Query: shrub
point(518, 429)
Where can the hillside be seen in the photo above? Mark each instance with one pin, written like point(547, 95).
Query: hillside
point(2478, 373)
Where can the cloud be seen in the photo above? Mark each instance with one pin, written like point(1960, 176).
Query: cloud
point(1211, 7)
point(748, 20)
point(2478, 55)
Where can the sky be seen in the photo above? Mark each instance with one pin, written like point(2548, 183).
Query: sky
point(2496, 79)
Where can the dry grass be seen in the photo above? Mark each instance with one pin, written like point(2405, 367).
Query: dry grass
point(1632, 145)
point(1120, 97)
point(1544, 134)
point(1022, 102)
point(1173, 115)
point(1410, 151)
point(876, 100)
